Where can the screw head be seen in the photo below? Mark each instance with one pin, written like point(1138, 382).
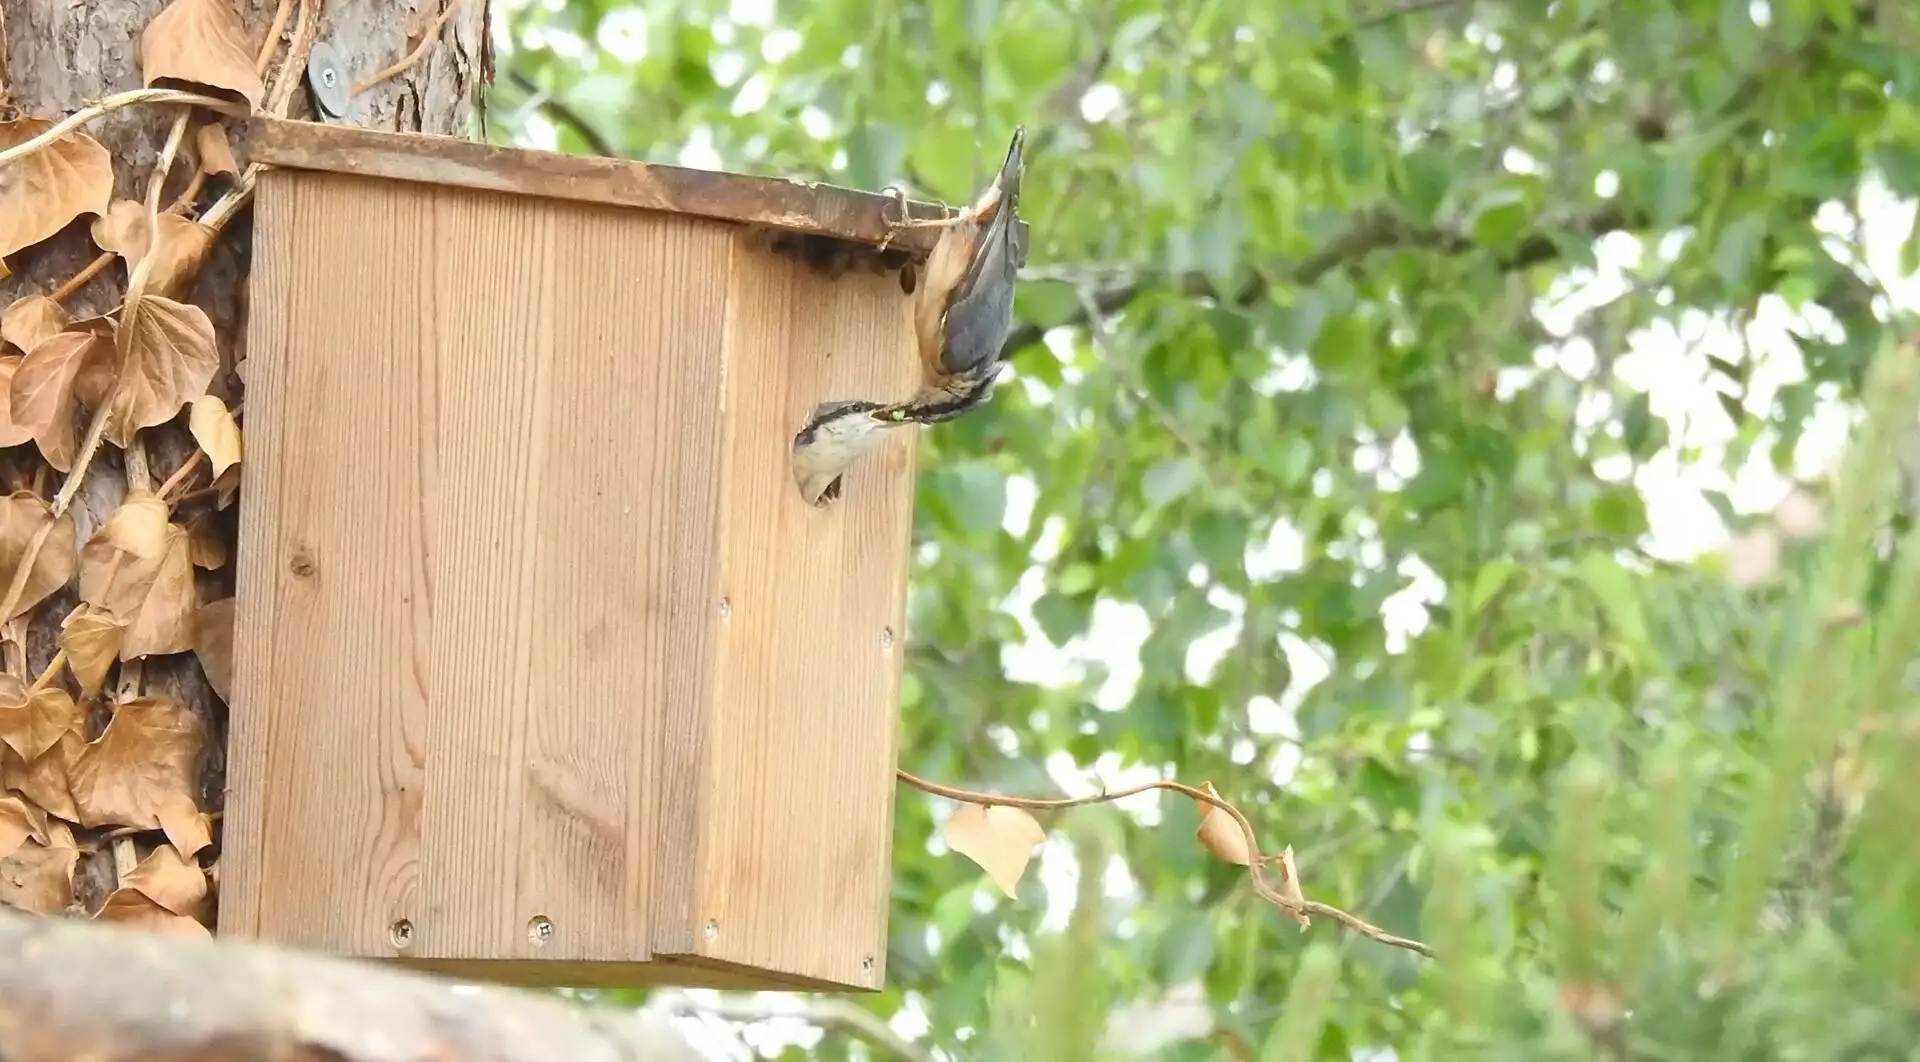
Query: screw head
point(866, 965)
point(726, 608)
point(710, 930)
point(400, 932)
point(886, 637)
point(329, 78)
point(539, 930)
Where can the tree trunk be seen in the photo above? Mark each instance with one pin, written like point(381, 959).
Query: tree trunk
point(56, 56)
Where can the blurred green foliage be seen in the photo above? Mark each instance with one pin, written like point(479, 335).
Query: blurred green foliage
point(1339, 363)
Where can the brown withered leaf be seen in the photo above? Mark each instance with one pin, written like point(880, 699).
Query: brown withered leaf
point(136, 911)
point(22, 515)
point(214, 429)
point(1220, 834)
point(200, 43)
point(1290, 884)
point(182, 248)
point(167, 878)
point(42, 390)
point(187, 827)
point(44, 781)
point(216, 154)
point(30, 319)
point(38, 878)
point(49, 188)
point(999, 838)
point(167, 360)
point(32, 721)
point(215, 646)
point(92, 640)
point(11, 434)
point(138, 525)
point(142, 764)
point(19, 823)
point(206, 546)
point(154, 594)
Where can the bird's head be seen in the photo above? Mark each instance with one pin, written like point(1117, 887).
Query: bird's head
point(837, 435)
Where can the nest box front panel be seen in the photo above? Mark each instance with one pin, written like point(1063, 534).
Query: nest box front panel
point(475, 570)
point(793, 862)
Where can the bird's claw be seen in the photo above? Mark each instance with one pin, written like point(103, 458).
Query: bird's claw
point(893, 227)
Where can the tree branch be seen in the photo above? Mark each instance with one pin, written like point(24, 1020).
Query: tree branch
point(75, 989)
point(1376, 229)
point(564, 113)
point(1256, 861)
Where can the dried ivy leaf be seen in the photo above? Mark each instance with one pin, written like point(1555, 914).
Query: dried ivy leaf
point(1220, 834)
point(216, 154)
point(32, 721)
point(182, 248)
point(31, 319)
point(214, 429)
point(133, 909)
point(44, 780)
point(154, 594)
point(167, 360)
point(1290, 884)
point(92, 640)
point(139, 525)
point(22, 515)
point(188, 829)
point(143, 763)
point(999, 838)
point(49, 188)
point(41, 391)
point(215, 646)
point(38, 878)
point(20, 822)
point(167, 878)
point(11, 433)
point(201, 43)
point(206, 546)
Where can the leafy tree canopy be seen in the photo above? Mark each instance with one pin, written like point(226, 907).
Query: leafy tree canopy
point(1354, 341)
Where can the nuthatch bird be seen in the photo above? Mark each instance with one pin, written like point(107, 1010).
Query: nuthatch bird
point(839, 434)
point(962, 315)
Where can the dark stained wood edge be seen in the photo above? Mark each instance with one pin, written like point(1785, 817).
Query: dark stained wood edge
point(786, 204)
point(674, 971)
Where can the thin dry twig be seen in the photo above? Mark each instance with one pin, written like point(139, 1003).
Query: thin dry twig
point(427, 41)
point(1257, 861)
point(181, 474)
point(272, 42)
point(113, 103)
point(162, 166)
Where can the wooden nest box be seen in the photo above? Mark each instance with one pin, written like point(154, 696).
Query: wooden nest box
point(546, 672)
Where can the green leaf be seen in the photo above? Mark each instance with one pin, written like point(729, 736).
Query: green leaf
point(1169, 480)
point(1614, 590)
point(1499, 217)
point(1062, 617)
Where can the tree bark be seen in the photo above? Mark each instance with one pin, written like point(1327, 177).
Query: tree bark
point(56, 56)
point(71, 991)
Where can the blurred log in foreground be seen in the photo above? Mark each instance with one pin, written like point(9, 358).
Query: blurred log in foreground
point(80, 990)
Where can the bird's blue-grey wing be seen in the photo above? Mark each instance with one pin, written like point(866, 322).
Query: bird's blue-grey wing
point(980, 315)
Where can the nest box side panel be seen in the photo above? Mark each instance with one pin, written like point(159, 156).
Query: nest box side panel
point(792, 867)
point(321, 844)
point(494, 443)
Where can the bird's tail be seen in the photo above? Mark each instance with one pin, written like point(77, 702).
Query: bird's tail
point(1011, 169)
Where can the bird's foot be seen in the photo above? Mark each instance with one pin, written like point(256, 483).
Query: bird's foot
point(897, 225)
